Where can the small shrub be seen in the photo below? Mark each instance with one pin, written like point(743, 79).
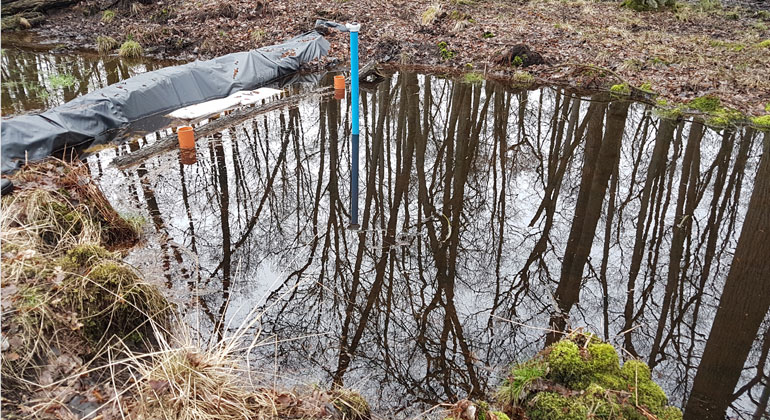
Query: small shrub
point(487, 35)
point(130, 49)
point(764, 44)
point(760, 26)
point(107, 16)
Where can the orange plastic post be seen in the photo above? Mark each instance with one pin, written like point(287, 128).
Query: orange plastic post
point(339, 82)
point(186, 137)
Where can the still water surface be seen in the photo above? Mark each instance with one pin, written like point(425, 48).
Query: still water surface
point(488, 214)
point(36, 80)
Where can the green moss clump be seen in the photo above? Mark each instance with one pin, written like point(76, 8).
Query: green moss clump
point(707, 103)
point(621, 89)
point(523, 78)
point(566, 364)
point(445, 52)
point(604, 359)
point(762, 123)
point(717, 115)
point(670, 413)
point(553, 406)
point(500, 415)
point(111, 299)
point(764, 44)
point(581, 377)
point(86, 255)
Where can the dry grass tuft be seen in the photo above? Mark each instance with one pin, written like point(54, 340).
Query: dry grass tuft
point(430, 15)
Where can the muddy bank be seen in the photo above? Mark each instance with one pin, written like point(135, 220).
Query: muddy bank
point(681, 53)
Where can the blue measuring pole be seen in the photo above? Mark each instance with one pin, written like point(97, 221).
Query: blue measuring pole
point(353, 28)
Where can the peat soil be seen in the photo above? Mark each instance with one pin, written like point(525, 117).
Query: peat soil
point(680, 53)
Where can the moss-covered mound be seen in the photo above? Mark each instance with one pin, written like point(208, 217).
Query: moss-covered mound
point(580, 377)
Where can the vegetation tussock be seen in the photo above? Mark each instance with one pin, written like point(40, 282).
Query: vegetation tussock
point(579, 377)
point(84, 335)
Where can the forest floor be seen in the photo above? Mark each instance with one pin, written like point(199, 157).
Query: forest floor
point(680, 53)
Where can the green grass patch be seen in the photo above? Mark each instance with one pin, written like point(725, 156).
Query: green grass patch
point(108, 16)
point(130, 49)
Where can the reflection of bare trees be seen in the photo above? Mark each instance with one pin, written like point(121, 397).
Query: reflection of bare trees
point(743, 306)
point(27, 77)
point(474, 198)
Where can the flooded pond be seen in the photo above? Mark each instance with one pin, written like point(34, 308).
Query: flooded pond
point(489, 216)
point(36, 80)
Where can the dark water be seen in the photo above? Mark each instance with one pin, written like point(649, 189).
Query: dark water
point(36, 80)
point(482, 207)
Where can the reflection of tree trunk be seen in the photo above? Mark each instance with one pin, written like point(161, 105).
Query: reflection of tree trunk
point(761, 413)
point(346, 348)
point(743, 306)
point(655, 173)
point(409, 90)
point(223, 190)
point(560, 160)
point(601, 157)
point(685, 208)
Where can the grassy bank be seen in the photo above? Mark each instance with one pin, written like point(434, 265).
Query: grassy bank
point(85, 335)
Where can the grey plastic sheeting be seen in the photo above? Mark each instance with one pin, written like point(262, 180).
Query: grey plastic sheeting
point(101, 113)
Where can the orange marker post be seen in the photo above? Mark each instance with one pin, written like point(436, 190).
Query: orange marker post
point(339, 82)
point(186, 137)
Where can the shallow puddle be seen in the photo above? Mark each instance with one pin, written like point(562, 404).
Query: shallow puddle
point(481, 207)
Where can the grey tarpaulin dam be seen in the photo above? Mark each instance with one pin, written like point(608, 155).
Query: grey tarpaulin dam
point(99, 115)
